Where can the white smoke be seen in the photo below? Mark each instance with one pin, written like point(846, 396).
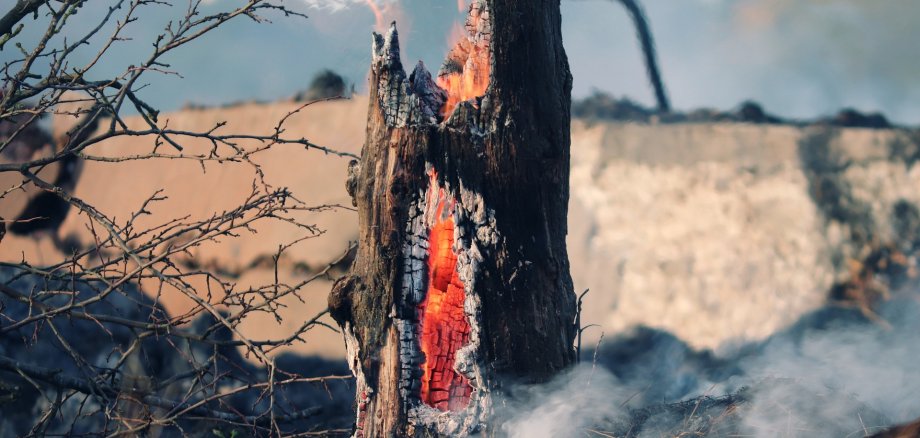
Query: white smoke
point(329, 5)
point(338, 5)
point(567, 405)
point(832, 374)
point(868, 366)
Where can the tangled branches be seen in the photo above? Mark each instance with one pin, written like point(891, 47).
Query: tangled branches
point(86, 345)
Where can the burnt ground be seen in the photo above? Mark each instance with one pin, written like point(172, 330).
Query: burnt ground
point(158, 360)
point(806, 381)
point(676, 390)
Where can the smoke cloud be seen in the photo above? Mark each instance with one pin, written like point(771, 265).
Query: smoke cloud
point(337, 5)
point(799, 58)
point(834, 373)
point(566, 406)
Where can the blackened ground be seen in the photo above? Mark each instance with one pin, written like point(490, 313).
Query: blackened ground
point(832, 374)
point(813, 379)
point(158, 359)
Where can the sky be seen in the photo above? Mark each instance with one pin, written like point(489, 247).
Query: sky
point(798, 58)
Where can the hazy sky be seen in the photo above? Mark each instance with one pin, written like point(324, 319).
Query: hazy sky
point(799, 58)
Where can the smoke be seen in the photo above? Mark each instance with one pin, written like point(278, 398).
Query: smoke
point(853, 52)
point(338, 5)
point(834, 373)
point(799, 58)
point(331, 5)
point(566, 406)
point(862, 366)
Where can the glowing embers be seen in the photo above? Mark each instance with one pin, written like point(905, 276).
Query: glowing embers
point(444, 327)
point(465, 73)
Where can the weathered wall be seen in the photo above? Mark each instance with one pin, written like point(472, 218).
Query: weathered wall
point(725, 232)
point(715, 232)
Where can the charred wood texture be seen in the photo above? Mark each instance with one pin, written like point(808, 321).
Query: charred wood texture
point(910, 430)
point(461, 284)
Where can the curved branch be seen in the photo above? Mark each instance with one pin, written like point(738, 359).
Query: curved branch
point(648, 52)
point(17, 13)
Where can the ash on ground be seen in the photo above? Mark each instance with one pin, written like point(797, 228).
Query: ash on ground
point(835, 373)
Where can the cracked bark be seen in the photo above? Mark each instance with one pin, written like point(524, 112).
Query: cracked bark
point(496, 308)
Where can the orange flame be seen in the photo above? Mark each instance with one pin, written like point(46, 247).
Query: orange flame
point(378, 15)
point(444, 327)
point(457, 34)
point(468, 76)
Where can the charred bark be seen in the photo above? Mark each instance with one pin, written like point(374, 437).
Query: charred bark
point(910, 430)
point(461, 284)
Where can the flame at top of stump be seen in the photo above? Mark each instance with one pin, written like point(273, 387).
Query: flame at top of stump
point(465, 73)
point(419, 99)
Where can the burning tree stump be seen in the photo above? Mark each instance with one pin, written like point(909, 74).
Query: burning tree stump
point(461, 283)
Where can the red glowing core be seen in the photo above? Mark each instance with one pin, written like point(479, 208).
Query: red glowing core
point(444, 327)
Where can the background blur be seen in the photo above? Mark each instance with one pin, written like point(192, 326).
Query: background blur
point(798, 58)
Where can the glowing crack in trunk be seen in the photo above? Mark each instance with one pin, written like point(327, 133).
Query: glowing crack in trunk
point(441, 386)
point(444, 328)
point(441, 381)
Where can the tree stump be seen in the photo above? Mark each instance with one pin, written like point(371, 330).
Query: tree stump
point(461, 283)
